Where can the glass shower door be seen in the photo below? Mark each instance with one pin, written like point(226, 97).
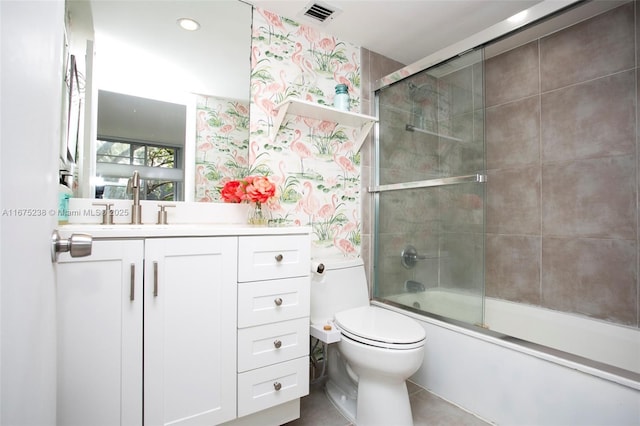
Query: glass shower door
point(429, 236)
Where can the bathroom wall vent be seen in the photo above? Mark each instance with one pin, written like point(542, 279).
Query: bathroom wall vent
point(320, 12)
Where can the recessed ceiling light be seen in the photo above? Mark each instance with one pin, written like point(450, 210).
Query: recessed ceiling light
point(518, 17)
point(188, 24)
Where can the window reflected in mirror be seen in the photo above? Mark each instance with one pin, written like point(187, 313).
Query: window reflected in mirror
point(140, 134)
point(115, 154)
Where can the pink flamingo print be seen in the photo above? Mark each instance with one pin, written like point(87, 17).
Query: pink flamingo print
point(327, 44)
point(239, 158)
point(241, 109)
point(327, 127)
point(253, 151)
point(341, 79)
point(350, 66)
point(205, 147)
point(274, 22)
point(310, 33)
point(345, 164)
point(346, 146)
point(304, 64)
point(200, 175)
point(265, 104)
point(278, 87)
point(300, 149)
point(351, 226)
point(344, 246)
point(206, 198)
point(255, 51)
point(227, 128)
point(328, 210)
point(201, 121)
point(308, 203)
point(279, 179)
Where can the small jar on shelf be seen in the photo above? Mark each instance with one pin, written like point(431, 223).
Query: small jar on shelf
point(341, 99)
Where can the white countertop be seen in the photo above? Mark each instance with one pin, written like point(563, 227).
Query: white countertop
point(177, 230)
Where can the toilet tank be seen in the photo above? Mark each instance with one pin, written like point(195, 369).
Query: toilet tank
point(343, 285)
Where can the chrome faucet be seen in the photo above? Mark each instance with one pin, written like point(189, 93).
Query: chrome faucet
point(133, 187)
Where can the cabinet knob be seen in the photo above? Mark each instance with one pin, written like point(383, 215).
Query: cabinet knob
point(278, 301)
point(277, 344)
point(277, 386)
point(279, 258)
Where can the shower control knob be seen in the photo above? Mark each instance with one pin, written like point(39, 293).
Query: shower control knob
point(278, 301)
point(277, 344)
point(277, 386)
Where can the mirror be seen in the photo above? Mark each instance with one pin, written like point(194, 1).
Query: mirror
point(137, 49)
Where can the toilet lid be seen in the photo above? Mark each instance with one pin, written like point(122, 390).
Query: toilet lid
point(378, 326)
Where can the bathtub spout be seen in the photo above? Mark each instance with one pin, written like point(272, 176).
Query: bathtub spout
point(413, 286)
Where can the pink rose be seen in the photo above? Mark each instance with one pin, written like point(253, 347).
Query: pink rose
point(232, 192)
point(259, 189)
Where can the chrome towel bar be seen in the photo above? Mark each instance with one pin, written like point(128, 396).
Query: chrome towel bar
point(476, 178)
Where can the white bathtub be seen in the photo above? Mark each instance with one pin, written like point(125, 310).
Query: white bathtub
point(596, 340)
point(506, 381)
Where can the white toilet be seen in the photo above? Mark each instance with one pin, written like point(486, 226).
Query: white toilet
point(377, 351)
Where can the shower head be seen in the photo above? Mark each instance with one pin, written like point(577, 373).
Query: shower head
point(420, 93)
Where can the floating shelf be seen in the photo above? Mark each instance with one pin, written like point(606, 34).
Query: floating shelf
point(321, 112)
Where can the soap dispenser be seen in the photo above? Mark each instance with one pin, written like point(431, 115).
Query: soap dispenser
point(64, 194)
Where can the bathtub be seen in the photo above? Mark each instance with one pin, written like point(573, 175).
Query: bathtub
point(525, 365)
point(595, 340)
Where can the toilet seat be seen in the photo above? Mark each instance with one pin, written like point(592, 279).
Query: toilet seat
point(380, 327)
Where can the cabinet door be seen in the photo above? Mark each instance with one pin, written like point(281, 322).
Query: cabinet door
point(99, 304)
point(190, 331)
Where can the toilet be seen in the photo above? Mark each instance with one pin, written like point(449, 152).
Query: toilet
point(376, 349)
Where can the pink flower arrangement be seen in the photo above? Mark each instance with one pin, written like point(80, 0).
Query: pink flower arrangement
point(254, 189)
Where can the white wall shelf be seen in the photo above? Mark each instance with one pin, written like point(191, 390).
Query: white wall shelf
point(321, 112)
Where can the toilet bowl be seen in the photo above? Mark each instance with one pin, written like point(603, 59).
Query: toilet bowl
point(377, 351)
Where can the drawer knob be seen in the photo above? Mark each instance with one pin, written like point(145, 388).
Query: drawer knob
point(277, 386)
point(277, 344)
point(279, 258)
point(278, 301)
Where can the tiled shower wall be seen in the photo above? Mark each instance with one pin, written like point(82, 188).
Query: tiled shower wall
point(562, 161)
point(561, 157)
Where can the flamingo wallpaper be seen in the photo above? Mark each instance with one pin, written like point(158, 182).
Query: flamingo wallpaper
point(222, 144)
point(312, 162)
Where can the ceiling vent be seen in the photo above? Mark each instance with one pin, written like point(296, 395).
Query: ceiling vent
point(320, 12)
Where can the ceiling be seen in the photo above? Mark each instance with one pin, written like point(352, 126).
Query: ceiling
point(140, 48)
point(403, 30)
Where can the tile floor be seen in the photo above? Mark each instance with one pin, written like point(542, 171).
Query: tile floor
point(428, 409)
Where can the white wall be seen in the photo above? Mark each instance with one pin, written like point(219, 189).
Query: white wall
point(31, 87)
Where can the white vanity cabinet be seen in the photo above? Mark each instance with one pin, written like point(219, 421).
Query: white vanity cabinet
point(190, 330)
point(184, 330)
point(99, 314)
point(273, 321)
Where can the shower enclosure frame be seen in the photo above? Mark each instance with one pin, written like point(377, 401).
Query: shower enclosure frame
point(441, 113)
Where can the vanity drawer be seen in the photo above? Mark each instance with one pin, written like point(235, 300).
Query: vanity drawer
point(266, 258)
point(272, 343)
point(264, 302)
point(273, 385)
